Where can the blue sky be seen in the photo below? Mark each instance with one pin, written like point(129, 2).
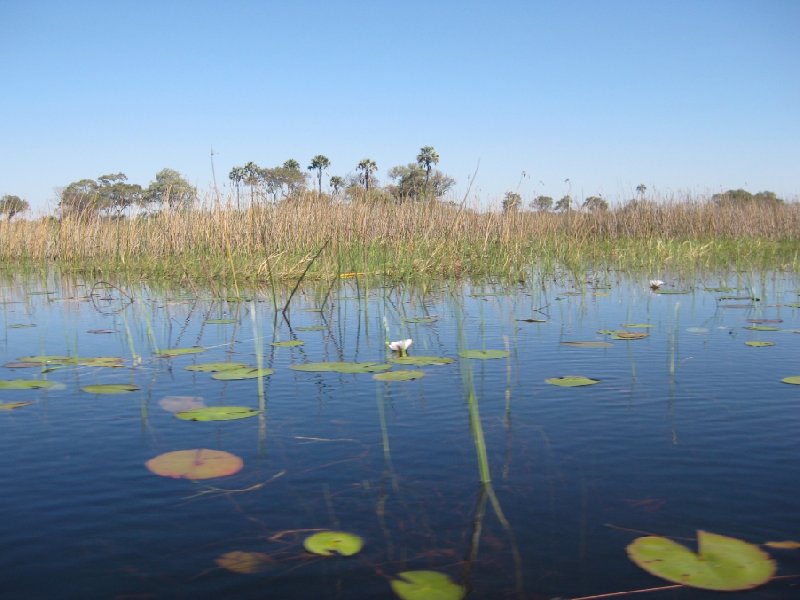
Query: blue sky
point(683, 96)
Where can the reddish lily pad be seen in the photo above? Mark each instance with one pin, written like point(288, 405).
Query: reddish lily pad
point(199, 463)
point(244, 563)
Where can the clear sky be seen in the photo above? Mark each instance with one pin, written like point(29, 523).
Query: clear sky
point(684, 96)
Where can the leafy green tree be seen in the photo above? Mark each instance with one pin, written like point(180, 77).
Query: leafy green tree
point(426, 158)
point(337, 183)
point(116, 194)
point(292, 177)
point(80, 199)
point(511, 202)
point(12, 205)
point(413, 182)
point(319, 163)
point(170, 189)
point(367, 167)
point(595, 203)
point(252, 177)
point(542, 203)
point(565, 204)
point(641, 189)
point(742, 197)
point(237, 175)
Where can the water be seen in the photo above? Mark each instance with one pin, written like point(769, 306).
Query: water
point(688, 429)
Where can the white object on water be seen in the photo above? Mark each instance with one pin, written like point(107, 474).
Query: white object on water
point(656, 283)
point(400, 346)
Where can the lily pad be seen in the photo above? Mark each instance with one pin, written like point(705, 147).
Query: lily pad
point(110, 388)
point(21, 365)
point(794, 380)
point(217, 413)
point(327, 543)
point(571, 381)
point(244, 563)
point(402, 375)
point(533, 320)
point(721, 563)
point(756, 344)
point(421, 361)
point(220, 321)
point(49, 359)
point(311, 328)
point(170, 352)
point(629, 335)
point(176, 404)
point(288, 344)
point(26, 384)
point(21, 325)
point(638, 325)
point(421, 320)
point(697, 330)
point(426, 585)
point(484, 354)
point(241, 373)
point(342, 367)
point(13, 405)
point(199, 463)
point(793, 304)
point(102, 361)
point(589, 344)
point(671, 292)
point(102, 331)
point(762, 328)
point(213, 367)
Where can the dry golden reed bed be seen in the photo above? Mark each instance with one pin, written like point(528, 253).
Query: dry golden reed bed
point(404, 240)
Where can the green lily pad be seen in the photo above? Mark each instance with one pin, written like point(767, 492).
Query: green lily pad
point(533, 320)
point(217, 413)
point(110, 388)
point(21, 365)
point(220, 321)
point(571, 381)
point(288, 344)
point(421, 361)
point(793, 304)
point(102, 361)
point(13, 405)
point(671, 292)
point(241, 373)
point(484, 354)
point(629, 335)
point(49, 359)
point(589, 344)
point(762, 328)
point(102, 331)
point(21, 325)
point(311, 328)
point(327, 543)
point(721, 563)
point(638, 325)
point(402, 375)
point(342, 367)
point(606, 331)
point(426, 585)
point(170, 352)
point(26, 384)
point(213, 367)
point(756, 344)
point(794, 380)
point(421, 319)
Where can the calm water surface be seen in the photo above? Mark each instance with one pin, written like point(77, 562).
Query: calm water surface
point(688, 428)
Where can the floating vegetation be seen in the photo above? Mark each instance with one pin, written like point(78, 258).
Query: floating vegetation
point(484, 354)
point(421, 361)
point(176, 404)
point(26, 384)
point(327, 543)
point(571, 381)
point(220, 321)
point(110, 388)
point(21, 365)
point(756, 344)
point(670, 292)
point(102, 331)
point(697, 330)
point(311, 328)
point(199, 463)
point(533, 320)
point(762, 328)
point(13, 405)
point(764, 321)
point(401, 375)
point(342, 367)
point(213, 367)
point(244, 563)
point(638, 325)
point(793, 380)
point(721, 563)
point(21, 325)
point(241, 373)
point(288, 344)
point(421, 320)
point(628, 335)
point(588, 344)
point(169, 353)
point(426, 585)
point(217, 413)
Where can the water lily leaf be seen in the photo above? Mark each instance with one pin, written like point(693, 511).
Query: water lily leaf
point(426, 585)
point(421, 319)
point(784, 545)
point(199, 463)
point(244, 563)
point(21, 365)
point(670, 292)
point(533, 320)
point(762, 328)
point(342, 367)
point(176, 404)
point(102, 361)
point(241, 373)
point(327, 543)
point(21, 325)
point(213, 367)
point(638, 325)
point(49, 359)
point(571, 381)
point(751, 298)
point(110, 388)
point(589, 344)
point(402, 375)
point(794, 380)
point(756, 344)
point(697, 329)
point(606, 331)
point(484, 354)
point(288, 344)
point(13, 405)
point(170, 352)
point(764, 321)
point(311, 328)
point(721, 563)
point(220, 321)
point(629, 335)
point(217, 413)
point(102, 331)
point(26, 384)
point(421, 361)
point(793, 304)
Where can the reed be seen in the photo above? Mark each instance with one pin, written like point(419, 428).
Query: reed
point(221, 245)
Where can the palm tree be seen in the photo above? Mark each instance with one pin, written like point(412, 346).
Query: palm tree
point(426, 158)
point(252, 176)
point(368, 166)
point(319, 163)
point(237, 176)
point(641, 189)
point(336, 184)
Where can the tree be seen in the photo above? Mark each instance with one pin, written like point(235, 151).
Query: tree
point(367, 167)
point(252, 177)
point(413, 182)
point(117, 195)
point(511, 202)
point(237, 175)
point(641, 189)
point(595, 203)
point(542, 203)
point(291, 176)
point(12, 205)
point(565, 204)
point(742, 197)
point(80, 199)
point(319, 163)
point(170, 189)
point(426, 158)
point(336, 183)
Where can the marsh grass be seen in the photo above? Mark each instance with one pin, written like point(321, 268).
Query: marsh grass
point(227, 247)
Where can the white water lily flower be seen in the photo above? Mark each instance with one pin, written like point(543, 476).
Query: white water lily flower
point(400, 346)
point(656, 283)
